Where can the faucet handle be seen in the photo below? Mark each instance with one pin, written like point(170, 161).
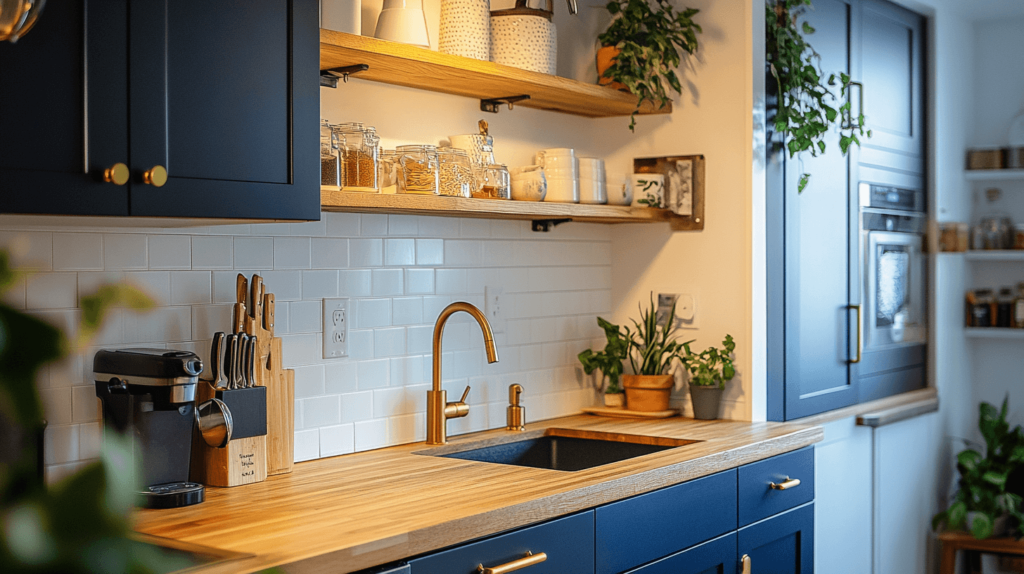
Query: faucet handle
point(464, 394)
point(459, 408)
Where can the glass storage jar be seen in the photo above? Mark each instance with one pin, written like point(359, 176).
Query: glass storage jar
point(387, 174)
point(330, 164)
point(497, 184)
point(417, 169)
point(358, 147)
point(456, 172)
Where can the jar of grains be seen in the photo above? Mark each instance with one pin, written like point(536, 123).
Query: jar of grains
point(359, 149)
point(456, 172)
point(417, 169)
point(330, 165)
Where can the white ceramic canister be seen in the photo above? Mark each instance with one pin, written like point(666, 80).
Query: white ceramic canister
point(525, 38)
point(650, 188)
point(620, 189)
point(593, 190)
point(465, 29)
point(528, 183)
point(403, 21)
point(341, 16)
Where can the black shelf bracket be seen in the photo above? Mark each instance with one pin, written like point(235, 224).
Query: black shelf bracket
point(493, 105)
point(329, 78)
point(545, 225)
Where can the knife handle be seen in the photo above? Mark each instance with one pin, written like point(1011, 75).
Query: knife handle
point(250, 360)
point(217, 359)
point(268, 313)
point(238, 326)
point(229, 360)
point(241, 289)
point(254, 296)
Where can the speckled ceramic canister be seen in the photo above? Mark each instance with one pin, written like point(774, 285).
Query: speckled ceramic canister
point(465, 28)
point(524, 41)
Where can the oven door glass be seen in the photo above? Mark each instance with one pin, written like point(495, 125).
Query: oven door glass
point(895, 289)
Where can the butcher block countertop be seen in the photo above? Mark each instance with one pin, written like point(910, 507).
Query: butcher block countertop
point(351, 512)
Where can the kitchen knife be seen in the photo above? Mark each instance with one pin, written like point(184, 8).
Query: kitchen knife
point(243, 346)
point(268, 314)
point(229, 362)
point(217, 361)
point(241, 289)
point(256, 293)
point(250, 361)
point(238, 324)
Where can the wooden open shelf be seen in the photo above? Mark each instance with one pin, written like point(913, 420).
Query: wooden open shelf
point(413, 67)
point(333, 199)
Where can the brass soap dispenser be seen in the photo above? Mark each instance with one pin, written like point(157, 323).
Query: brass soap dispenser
point(515, 415)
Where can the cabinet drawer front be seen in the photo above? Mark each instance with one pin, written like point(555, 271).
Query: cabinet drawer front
point(715, 557)
point(759, 500)
point(647, 527)
point(567, 542)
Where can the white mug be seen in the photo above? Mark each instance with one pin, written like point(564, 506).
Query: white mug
point(620, 189)
point(649, 188)
point(563, 190)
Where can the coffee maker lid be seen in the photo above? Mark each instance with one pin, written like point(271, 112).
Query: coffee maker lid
point(149, 363)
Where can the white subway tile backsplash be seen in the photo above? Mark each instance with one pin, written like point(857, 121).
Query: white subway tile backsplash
point(212, 252)
point(305, 317)
point(309, 228)
point(301, 349)
point(90, 440)
point(319, 284)
point(462, 253)
point(321, 411)
point(432, 307)
point(373, 374)
point(371, 434)
point(285, 285)
point(309, 382)
point(254, 252)
point(125, 251)
point(209, 319)
point(170, 252)
point(476, 228)
point(354, 283)
point(443, 227)
point(329, 253)
point(387, 282)
point(419, 281)
point(373, 225)
point(14, 296)
point(389, 342)
point(403, 225)
point(399, 400)
point(342, 224)
point(163, 324)
point(77, 252)
point(90, 281)
point(407, 428)
point(399, 252)
point(407, 370)
point(341, 377)
point(449, 281)
point(29, 250)
point(57, 405)
point(52, 291)
point(60, 444)
point(337, 439)
point(291, 253)
point(85, 406)
point(420, 339)
point(407, 310)
point(360, 345)
point(191, 288)
point(366, 252)
point(370, 313)
point(356, 406)
point(429, 252)
point(307, 445)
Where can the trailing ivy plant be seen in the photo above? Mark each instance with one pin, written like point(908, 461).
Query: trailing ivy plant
point(648, 36)
point(608, 361)
point(808, 106)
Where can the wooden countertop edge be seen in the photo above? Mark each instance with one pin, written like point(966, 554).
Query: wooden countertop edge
point(910, 401)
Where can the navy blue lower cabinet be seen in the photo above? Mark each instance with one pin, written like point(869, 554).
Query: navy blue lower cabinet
point(638, 530)
point(791, 473)
point(568, 544)
point(783, 544)
point(715, 557)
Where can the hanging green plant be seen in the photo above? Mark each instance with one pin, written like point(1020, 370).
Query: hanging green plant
point(808, 107)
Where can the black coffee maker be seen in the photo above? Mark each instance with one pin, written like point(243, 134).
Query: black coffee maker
point(149, 394)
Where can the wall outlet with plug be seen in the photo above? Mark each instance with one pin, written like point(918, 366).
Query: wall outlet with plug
point(686, 309)
point(336, 321)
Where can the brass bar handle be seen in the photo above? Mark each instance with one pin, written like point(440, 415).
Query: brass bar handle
point(785, 484)
point(745, 563)
point(529, 560)
point(860, 333)
point(116, 174)
point(155, 176)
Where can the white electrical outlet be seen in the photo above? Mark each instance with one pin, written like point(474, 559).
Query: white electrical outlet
point(335, 328)
point(494, 308)
point(686, 309)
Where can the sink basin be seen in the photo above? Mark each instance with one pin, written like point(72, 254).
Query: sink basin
point(563, 449)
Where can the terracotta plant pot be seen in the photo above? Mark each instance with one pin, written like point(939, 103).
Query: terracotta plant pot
point(706, 401)
point(605, 59)
point(648, 393)
point(615, 400)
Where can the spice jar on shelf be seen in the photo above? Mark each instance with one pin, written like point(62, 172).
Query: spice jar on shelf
point(388, 170)
point(980, 303)
point(456, 173)
point(330, 164)
point(1018, 308)
point(417, 169)
point(496, 183)
point(1004, 308)
point(358, 148)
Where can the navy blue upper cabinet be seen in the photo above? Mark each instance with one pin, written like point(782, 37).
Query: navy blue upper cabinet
point(223, 96)
point(783, 544)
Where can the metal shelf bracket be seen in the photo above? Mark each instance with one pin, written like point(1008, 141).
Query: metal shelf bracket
point(493, 105)
point(545, 225)
point(329, 78)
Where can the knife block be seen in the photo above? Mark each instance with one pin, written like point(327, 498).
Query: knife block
point(280, 412)
point(244, 459)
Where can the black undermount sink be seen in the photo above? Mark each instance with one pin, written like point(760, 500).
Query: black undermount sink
point(564, 449)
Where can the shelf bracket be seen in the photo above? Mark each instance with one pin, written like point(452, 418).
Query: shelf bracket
point(545, 225)
point(329, 78)
point(494, 104)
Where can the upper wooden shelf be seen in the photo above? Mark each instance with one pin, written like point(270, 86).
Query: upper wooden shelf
point(413, 67)
point(333, 199)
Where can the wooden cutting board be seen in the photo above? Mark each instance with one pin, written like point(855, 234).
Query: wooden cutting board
point(628, 414)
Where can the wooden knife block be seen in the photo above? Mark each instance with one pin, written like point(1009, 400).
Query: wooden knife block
point(280, 383)
point(242, 461)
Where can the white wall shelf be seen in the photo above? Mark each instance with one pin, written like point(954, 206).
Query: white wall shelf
point(994, 333)
point(995, 255)
point(994, 174)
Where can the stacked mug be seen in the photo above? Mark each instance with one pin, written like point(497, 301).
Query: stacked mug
point(592, 181)
point(562, 171)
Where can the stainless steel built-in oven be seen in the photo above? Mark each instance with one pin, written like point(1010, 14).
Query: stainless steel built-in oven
point(894, 271)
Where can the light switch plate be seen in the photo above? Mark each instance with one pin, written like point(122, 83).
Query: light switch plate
point(336, 321)
point(686, 309)
point(494, 308)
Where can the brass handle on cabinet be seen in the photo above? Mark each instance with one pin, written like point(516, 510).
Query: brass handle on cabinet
point(116, 174)
point(860, 333)
point(529, 560)
point(745, 562)
point(785, 484)
point(155, 176)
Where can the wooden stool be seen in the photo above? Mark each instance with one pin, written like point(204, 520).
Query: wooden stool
point(953, 541)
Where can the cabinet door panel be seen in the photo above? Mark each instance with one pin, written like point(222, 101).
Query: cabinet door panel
point(236, 121)
point(715, 557)
point(783, 544)
point(63, 90)
point(757, 500)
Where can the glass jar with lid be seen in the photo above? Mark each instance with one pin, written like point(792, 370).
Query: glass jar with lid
point(456, 172)
point(417, 169)
point(358, 148)
point(388, 172)
point(497, 184)
point(330, 163)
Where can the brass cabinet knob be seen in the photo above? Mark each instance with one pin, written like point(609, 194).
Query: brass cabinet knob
point(116, 174)
point(155, 176)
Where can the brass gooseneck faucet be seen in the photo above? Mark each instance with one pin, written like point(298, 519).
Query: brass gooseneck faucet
point(438, 409)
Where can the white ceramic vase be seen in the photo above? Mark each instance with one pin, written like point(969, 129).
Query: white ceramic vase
point(526, 42)
point(650, 188)
point(403, 21)
point(465, 28)
point(341, 15)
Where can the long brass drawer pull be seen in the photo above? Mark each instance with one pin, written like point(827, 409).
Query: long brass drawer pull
point(786, 484)
point(745, 562)
point(529, 560)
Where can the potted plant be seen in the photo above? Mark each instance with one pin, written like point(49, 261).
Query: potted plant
point(709, 370)
point(609, 362)
point(653, 351)
point(985, 504)
point(640, 49)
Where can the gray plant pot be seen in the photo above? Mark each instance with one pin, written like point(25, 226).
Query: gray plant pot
point(706, 401)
